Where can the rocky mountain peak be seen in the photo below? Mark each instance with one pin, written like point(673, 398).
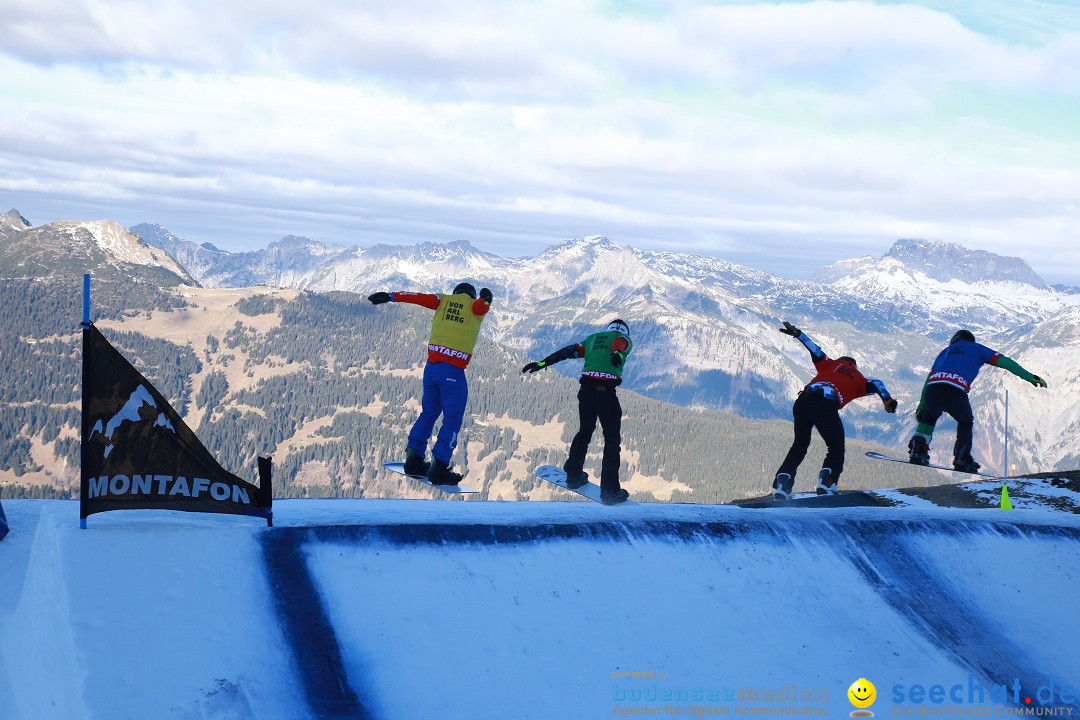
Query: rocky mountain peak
point(69, 247)
point(13, 221)
point(949, 261)
point(591, 246)
point(295, 242)
point(940, 261)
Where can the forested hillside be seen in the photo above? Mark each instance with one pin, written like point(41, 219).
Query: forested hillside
point(329, 385)
point(40, 396)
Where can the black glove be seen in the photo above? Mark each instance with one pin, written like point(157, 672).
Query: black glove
point(379, 298)
point(616, 359)
point(791, 330)
point(890, 405)
point(485, 295)
point(534, 366)
point(1037, 381)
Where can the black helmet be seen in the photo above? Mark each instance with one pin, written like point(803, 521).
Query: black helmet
point(466, 288)
point(962, 335)
point(618, 326)
point(849, 359)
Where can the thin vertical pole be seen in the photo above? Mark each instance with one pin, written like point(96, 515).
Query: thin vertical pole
point(85, 403)
point(1006, 433)
point(86, 299)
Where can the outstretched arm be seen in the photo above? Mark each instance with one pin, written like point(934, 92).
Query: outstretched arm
point(482, 304)
point(816, 353)
point(876, 387)
point(570, 351)
point(431, 302)
point(1014, 367)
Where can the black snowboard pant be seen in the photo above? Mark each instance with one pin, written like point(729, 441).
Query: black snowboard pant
point(598, 401)
point(812, 410)
point(944, 398)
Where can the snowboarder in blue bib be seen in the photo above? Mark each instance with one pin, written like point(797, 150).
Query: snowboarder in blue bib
point(946, 391)
point(605, 357)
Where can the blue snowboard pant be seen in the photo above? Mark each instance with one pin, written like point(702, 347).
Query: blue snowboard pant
point(446, 392)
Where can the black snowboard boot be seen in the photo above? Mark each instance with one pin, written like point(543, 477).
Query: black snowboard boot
point(966, 464)
point(826, 483)
point(441, 474)
point(918, 451)
point(619, 496)
point(415, 463)
point(576, 480)
point(782, 486)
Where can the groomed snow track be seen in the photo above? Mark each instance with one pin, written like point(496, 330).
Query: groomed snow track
point(406, 609)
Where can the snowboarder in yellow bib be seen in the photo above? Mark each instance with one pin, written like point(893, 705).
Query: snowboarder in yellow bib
point(605, 356)
point(454, 330)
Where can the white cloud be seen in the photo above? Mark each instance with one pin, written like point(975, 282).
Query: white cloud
point(822, 126)
point(511, 49)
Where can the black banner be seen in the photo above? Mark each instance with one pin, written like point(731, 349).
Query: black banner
point(138, 454)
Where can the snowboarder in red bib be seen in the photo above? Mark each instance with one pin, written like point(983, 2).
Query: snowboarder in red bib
point(454, 330)
point(837, 383)
point(946, 391)
point(605, 356)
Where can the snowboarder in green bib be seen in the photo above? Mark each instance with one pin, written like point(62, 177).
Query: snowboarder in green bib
point(605, 356)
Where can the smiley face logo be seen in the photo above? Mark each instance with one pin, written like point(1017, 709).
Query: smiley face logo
point(862, 693)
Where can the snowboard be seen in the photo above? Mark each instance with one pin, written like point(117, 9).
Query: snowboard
point(853, 498)
point(879, 456)
point(556, 476)
point(399, 468)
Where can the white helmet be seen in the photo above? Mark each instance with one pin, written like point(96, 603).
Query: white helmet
point(619, 326)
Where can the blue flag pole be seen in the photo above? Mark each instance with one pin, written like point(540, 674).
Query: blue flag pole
point(85, 404)
point(86, 299)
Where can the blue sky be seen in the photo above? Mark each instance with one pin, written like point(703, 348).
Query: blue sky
point(780, 135)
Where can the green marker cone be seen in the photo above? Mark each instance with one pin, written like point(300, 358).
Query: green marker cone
point(1006, 503)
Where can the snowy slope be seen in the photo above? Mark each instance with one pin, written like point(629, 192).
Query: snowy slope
point(416, 609)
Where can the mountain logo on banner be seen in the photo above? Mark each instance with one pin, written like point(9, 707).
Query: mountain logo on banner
point(130, 412)
point(139, 454)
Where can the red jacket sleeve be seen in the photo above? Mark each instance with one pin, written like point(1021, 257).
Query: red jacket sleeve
point(619, 344)
point(479, 307)
point(431, 302)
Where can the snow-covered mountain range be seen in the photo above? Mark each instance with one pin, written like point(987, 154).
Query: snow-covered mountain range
point(72, 247)
point(285, 263)
point(706, 329)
